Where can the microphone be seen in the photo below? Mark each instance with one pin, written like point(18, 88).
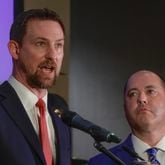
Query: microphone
point(72, 119)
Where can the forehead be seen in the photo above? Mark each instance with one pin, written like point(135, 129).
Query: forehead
point(48, 27)
point(143, 79)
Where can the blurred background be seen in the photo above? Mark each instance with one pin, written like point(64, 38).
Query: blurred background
point(106, 41)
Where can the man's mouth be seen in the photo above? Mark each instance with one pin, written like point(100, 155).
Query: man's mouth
point(51, 68)
point(143, 109)
point(47, 67)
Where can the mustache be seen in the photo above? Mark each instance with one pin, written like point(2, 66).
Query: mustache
point(50, 64)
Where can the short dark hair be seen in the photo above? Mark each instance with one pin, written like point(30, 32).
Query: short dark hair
point(18, 28)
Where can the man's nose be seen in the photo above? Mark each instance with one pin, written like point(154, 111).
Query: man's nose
point(52, 54)
point(142, 99)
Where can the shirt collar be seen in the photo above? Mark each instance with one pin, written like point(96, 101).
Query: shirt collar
point(27, 97)
point(141, 147)
point(161, 144)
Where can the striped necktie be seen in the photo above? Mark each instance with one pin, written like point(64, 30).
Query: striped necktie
point(152, 156)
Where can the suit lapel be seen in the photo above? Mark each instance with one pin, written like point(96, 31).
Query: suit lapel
point(128, 143)
point(51, 106)
point(54, 102)
point(17, 113)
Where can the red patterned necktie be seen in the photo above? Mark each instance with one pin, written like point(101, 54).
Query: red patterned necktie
point(43, 133)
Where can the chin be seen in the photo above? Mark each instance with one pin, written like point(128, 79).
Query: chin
point(48, 84)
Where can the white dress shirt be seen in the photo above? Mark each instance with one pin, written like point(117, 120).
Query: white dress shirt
point(141, 147)
point(29, 100)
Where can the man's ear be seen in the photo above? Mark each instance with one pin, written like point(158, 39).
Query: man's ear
point(14, 50)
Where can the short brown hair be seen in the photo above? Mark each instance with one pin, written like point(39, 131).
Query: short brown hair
point(18, 28)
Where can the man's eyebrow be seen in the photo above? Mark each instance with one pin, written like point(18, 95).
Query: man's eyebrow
point(41, 38)
point(60, 40)
point(132, 89)
point(46, 39)
point(146, 87)
point(150, 86)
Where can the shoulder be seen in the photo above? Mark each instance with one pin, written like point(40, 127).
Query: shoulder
point(6, 90)
point(5, 86)
point(56, 102)
point(56, 98)
point(103, 159)
point(118, 151)
point(100, 159)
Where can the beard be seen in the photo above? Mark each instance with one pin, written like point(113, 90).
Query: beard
point(43, 78)
point(37, 80)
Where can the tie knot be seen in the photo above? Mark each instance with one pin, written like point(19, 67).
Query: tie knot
point(41, 105)
point(152, 151)
point(152, 155)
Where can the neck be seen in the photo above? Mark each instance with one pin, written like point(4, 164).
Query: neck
point(151, 138)
point(39, 92)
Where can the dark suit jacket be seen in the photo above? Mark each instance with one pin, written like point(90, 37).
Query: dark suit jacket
point(19, 143)
point(118, 150)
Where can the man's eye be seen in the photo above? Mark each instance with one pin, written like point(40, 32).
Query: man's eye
point(40, 43)
point(132, 94)
point(59, 45)
point(151, 92)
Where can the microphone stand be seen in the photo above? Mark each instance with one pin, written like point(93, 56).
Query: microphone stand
point(102, 149)
point(132, 153)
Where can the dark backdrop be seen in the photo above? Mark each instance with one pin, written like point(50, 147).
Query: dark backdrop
point(18, 7)
point(110, 40)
